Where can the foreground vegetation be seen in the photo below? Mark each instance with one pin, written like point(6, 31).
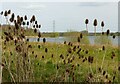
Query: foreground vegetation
point(25, 61)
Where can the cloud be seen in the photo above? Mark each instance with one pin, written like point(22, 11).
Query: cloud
point(34, 6)
point(92, 4)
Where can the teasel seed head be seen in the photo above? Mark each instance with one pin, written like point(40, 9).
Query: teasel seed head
point(64, 42)
point(78, 39)
point(43, 56)
point(35, 22)
point(25, 17)
point(106, 76)
point(5, 13)
point(104, 72)
point(35, 30)
point(86, 51)
point(113, 78)
point(46, 50)
point(102, 33)
point(86, 21)
point(81, 35)
point(118, 68)
point(95, 22)
point(113, 36)
point(27, 23)
point(36, 25)
point(69, 50)
point(39, 34)
point(33, 18)
point(108, 32)
point(32, 52)
point(27, 39)
point(102, 24)
point(1, 13)
point(38, 39)
point(39, 26)
point(9, 11)
point(103, 48)
point(74, 48)
point(52, 55)
point(39, 46)
point(44, 40)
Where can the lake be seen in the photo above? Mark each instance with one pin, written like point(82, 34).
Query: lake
point(62, 39)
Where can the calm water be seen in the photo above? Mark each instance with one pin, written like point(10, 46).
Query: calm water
point(62, 39)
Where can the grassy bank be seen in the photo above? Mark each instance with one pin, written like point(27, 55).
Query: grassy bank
point(61, 62)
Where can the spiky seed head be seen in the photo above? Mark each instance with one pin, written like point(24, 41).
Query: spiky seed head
point(7, 38)
point(46, 50)
point(33, 18)
point(35, 22)
point(113, 78)
point(113, 36)
point(23, 23)
point(118, 68)
point(43, 56)
point(39, 34)
point(38, 39)
point(81, 35)
point(32, 52)
point(86, 21)
point(33, 26)
point(5, 13)
point(21, 18)
point(102, 24)
point(104, 72)
point(95, 22)
point(103, 48)
point(39, 26)
point(102, 33)
point(106, 76)
point(108, 32)
point(64, 42)
point(27, 23)
point(25, 17)
point(39, 46)
point(44, 40)
point(9, 11)
point(35, 30)
point(29, 46)
point(6, 33)
point(36, 25)
point(1, 13)
point(27, 39)
point(78, 39)
point(86, 51)
point(52, 55)
point(69, 50)
point(12, 16)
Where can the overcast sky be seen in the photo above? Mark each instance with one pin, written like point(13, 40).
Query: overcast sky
point(68, 15)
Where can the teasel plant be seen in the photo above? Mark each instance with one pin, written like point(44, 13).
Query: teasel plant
point(102, 25)
point(22, 61)
point(95, 25)
point(86, 22)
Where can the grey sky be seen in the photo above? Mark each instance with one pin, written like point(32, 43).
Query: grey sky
point(68, 15)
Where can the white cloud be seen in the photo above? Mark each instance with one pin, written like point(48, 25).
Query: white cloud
point(34, 6)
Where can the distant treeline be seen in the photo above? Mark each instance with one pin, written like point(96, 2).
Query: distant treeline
point(29, 32)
